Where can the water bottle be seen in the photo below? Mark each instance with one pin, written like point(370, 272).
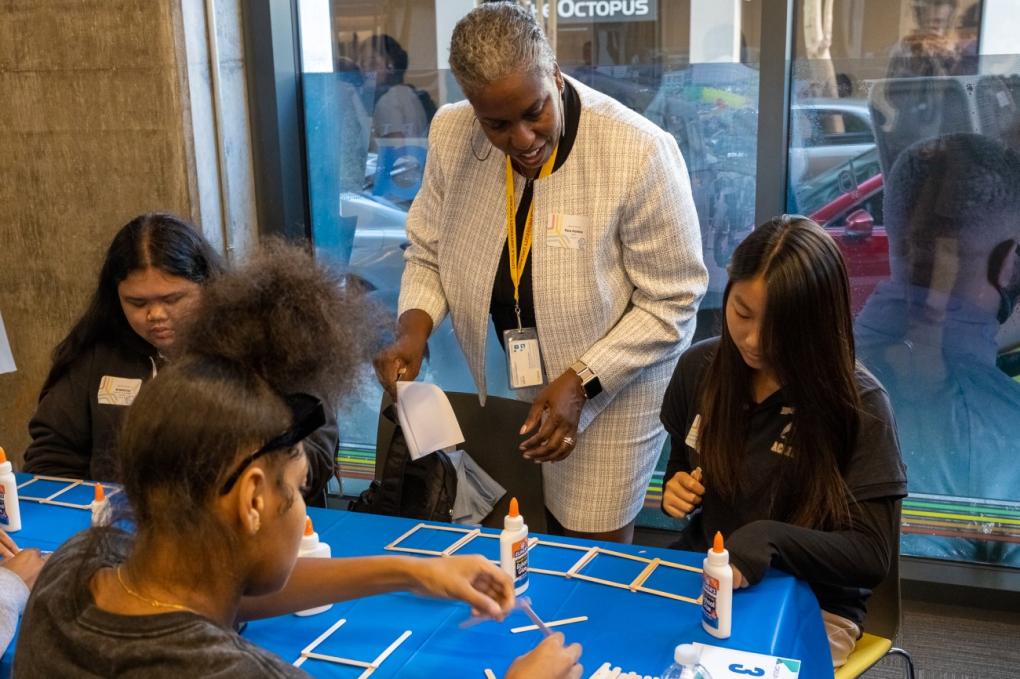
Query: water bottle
point(685, 664)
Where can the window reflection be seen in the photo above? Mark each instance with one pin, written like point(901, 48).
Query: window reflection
point(924, 206)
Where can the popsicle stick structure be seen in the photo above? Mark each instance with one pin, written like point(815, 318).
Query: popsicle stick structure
point(308, 652)
point(589, 554)
point(71, 484)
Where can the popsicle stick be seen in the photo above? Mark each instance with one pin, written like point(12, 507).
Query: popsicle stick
point(407, 534)
point(489, 674)
point(414, 550)
point(554, 623)
point(28, 483)
point(44, 477)
point(461, 542)
point(543, 571)
point(63, 490)
point(580, 563)
point(72, 505)
point(608, 583)
point(632, 557)
point(670, 595)
point(561, 545)
point(335, 659)
point(389, 649)
point(311, 647)
point(643, 575)
point(680, 566)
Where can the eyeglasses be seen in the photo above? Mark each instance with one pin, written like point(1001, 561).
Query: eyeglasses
point(308, 415)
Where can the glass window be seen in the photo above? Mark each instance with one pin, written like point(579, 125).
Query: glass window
point(904, 122)
point(375, 72)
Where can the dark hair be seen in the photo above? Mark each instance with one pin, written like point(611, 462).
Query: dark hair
point(280, 323)
point(157, 240)
point(388, 46)
point(289, 319)
point(962, 189)
point(807, 339)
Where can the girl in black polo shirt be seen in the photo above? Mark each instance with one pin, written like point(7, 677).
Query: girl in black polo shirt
point(780, 439)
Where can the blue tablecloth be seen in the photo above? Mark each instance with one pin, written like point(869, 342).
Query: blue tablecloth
point(636, 631)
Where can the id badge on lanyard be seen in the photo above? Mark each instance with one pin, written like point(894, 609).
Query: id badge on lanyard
point(523, 352)
point(523, 358)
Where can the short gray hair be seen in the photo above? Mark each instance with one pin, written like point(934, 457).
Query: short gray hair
point(494, 40)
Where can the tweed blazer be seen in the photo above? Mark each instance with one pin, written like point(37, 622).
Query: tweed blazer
point(623, 300)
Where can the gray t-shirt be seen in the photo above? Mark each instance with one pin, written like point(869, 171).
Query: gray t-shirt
point(64, 634)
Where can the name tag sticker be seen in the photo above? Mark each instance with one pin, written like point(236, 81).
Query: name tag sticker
point(523, 358)
point(567, 231)
point(118, 391)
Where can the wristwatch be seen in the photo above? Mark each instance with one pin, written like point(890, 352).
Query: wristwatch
point(589, 380)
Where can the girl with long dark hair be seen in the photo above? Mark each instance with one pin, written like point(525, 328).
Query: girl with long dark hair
point(213, 467)
point(780, 439)
point(150, 283)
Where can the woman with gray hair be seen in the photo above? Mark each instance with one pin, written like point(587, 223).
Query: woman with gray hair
point(535, 163)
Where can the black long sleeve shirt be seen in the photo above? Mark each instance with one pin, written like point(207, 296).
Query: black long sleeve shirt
point(840, 565)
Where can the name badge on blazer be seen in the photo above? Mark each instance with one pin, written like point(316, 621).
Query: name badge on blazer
point(118, 391)
point(567, 231)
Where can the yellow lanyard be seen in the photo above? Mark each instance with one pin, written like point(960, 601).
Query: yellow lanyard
point(517, 261)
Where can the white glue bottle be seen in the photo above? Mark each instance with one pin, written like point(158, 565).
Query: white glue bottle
point(717, 591)
point(513, 548)
point(311, 547)
point(10, 510)
point(100, 506)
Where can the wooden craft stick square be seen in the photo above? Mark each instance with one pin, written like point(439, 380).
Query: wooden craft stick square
point(395, 545)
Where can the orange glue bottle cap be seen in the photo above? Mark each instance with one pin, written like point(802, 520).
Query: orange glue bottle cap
point(100, 493)
point(308, 526)
point(514, 509)
point(717, 543)
point(3, 455)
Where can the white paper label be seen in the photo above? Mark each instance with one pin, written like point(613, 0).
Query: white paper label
point(118, 391)
point(567, 231)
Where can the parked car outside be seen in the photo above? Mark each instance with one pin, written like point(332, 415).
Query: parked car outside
point(826, 133)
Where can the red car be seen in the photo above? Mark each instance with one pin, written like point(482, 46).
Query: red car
point(847, 201)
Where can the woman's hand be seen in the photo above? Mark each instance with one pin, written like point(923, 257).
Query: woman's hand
point(8, 547)
point(549, 660)
point(682, 493)
point(558, 410)
point(26, 564)
point(402, 359)
point(472, 579)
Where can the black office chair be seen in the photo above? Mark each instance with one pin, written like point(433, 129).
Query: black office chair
point(491, 439)
point(881, 625)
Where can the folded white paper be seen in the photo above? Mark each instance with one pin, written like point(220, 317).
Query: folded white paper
point(426, 418)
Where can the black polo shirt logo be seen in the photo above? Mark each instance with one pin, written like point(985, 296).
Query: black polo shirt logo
point(781, 446)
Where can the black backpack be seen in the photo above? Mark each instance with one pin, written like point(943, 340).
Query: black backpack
point(416, 489)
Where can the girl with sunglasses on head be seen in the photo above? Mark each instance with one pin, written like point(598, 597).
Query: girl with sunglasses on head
point(151, 281)
point(780, 439)
point(213, 465)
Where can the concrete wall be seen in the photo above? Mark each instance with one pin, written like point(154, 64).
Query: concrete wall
point(96, 126)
